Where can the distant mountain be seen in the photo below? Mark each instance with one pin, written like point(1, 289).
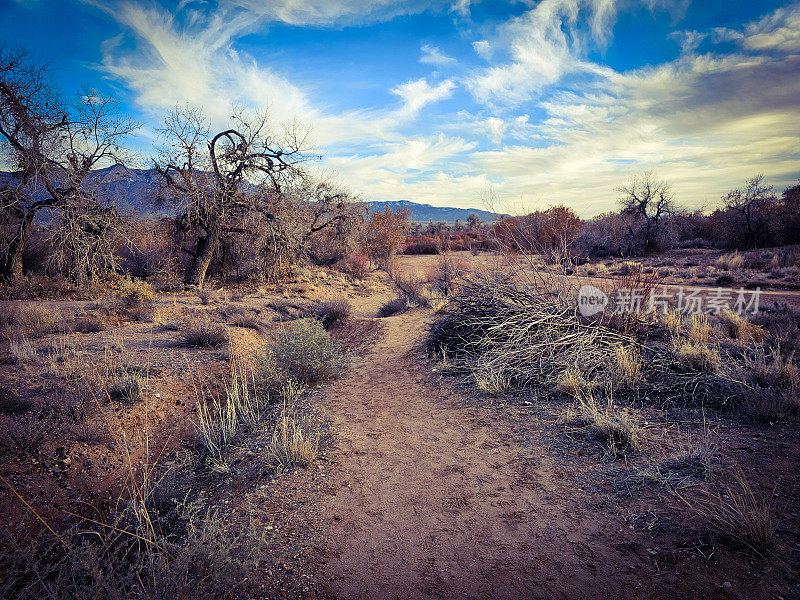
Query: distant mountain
point(423, 213)
point(134, 191)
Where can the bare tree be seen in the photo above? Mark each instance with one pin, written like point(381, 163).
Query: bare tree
point(51, 149)
point(646, 201)
point(751, 206)
point(221, 181)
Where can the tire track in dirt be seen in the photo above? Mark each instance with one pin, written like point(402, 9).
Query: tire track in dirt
point(434, 499)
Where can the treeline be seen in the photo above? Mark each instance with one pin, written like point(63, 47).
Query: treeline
point(240, 201)
point(648, 220)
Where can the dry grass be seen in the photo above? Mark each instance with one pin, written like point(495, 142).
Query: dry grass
point(740, 328)
point(627, 367)
point(294, 442)
point(616, 426)
point(672, 321)
point(203, 333)
point(490, 380)
point(393, 307)
point(699, 330)
point(741, 518)
point(574, 383)
point(697, 356)
point(30, 320)
point(22, 351)
point(732, 261)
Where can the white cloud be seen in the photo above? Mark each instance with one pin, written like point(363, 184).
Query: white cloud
point(545, 44)
point(417, 93)
point(434, 56)
point(483, 48)
point(330, 12)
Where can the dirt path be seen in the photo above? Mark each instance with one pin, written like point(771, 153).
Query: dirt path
point(434, 499)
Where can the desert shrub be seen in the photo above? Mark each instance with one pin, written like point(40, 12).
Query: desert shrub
point(88, 324)
point(627, 367)
point(740, 328)
point(741, 518)
point(30, 320)
point(355, 263)
point(203, 333)
point(22, 351)
point(28, 433)
point(127, 388)
point(617, 427)
point(732, 261)
point(331, 312)
point(303, 352)
point(423, 244)
point(205, 296)
point(393, 307)
point(725, 280)
point(139, 553)
point(536, 337)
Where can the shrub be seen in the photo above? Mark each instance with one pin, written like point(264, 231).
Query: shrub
point(331, 312)
point(627, 366)
point(573, 382)
point(303, 352)
point(30, 320)
point(741, 518)
point(203, 333)
point(731, 261)
point(740, 328)
point(393, 307)
point(616, 426)
point(491, 380)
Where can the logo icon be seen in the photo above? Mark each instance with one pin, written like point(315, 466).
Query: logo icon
point(591, 300)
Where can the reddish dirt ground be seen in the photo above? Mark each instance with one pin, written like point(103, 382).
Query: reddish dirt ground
point(434, 497)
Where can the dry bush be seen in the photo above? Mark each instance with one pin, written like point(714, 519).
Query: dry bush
point(28, 433)
point(30, 320)
point(740, 517)
point(303, 353)
point(627, 366)
point(740, 328)
point(672, 321)
point(355, 263)
point(733, 261)
point(393, 307)
point(295, 442)
point(617, 427)
point(201, 332)
point(332, 312)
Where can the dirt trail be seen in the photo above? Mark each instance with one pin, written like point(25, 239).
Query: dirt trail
point(434, 499)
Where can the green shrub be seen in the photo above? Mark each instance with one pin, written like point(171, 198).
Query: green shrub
point(303, 352)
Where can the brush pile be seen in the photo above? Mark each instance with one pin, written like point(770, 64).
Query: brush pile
point(533, 338)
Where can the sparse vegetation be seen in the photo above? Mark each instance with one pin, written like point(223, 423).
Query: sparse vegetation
point(203, 332)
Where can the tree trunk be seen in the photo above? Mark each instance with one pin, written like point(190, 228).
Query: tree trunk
point(204, 252)
point(11, 267)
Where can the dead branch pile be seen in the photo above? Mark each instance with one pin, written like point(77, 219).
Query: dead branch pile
point(533, 337)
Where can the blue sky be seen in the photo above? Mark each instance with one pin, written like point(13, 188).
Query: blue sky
point(549, 102)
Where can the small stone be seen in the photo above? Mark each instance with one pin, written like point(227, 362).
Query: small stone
point(726, 584)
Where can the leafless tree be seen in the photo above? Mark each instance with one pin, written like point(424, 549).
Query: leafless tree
point(646, 201)
point(751, 206)
point(51, 148)
point(224, 181)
